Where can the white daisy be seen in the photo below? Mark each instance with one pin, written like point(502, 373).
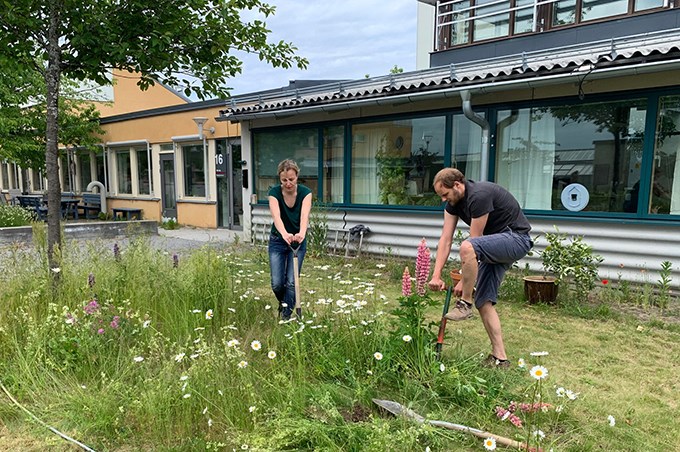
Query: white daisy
point(209, 314)
point(138, 359)
point(242, 364)
point(407, 338)
point(539, 372)
point(611, 420)
point(378, 356)
point(489, 443)
point(271, 354)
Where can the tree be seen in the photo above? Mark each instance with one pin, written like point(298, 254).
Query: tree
point(171, 41)
point(22, 119)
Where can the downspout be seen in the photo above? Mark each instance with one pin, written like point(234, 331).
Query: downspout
point(484, 124)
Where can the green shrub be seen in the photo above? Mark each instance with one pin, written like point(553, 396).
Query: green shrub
point(11, 216)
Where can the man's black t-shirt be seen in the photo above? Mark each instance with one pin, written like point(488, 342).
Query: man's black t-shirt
point(486, 197)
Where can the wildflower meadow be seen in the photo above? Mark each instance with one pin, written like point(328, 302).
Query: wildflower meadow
point(130, 347)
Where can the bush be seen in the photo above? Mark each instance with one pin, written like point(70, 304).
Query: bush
point(11, 216)
point(571, 261)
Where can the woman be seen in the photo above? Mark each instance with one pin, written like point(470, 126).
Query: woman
point(289, 205)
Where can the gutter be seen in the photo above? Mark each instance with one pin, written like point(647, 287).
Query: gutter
point(484, 124)
point(482, 88)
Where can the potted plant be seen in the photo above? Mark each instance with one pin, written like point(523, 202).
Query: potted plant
point(568, 260)
point(391, 173)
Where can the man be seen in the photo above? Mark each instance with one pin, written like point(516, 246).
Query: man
point(499, 236)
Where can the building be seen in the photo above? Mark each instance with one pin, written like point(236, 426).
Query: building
point(573, 105)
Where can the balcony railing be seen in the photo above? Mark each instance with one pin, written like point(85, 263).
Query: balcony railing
point(463, 22)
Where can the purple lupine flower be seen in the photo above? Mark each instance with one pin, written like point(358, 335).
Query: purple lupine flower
point(92, 307)
point(90, 280)
point(175, 260)
point(406, 283)
point(114, 322)
point(116, 251)
point(422, 267)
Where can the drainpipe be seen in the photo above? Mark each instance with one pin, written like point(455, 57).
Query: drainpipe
point(102, 194)
point(484, 124)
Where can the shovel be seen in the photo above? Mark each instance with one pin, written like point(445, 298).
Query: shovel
point(442, 324)
point(400, 410)
point(295, 247)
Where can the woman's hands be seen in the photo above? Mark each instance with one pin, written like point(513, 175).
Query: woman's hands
point(293, 238)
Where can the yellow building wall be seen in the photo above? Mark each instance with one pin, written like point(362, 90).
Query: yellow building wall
point(151, 209)
point(197, 215)
point(127, 97)
point(160, 129)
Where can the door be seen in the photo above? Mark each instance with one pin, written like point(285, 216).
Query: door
point(168, 193)
point(229, 184)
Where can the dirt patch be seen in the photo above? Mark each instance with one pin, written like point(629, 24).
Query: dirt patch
point(357, 413)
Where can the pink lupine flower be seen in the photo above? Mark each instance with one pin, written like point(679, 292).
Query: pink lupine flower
point(504, 414)
point(114, 322)
point(406, 283)
point(422, 267)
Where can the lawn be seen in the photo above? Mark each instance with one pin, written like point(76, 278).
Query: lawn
point(141, 349)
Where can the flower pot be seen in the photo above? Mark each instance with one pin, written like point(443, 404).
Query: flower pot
point(540, 289)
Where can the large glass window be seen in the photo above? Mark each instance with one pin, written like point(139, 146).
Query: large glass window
point(665, 187)
point(84, 169)
point(5, 176)
point(524, 16)
point(641, 5)
point(101, 169)
point(540, 151)
point(194, 170)
point(143, 175)
point(460, 26)
point(597, 9)
point(301, 145)
point(466, 151)
point(333, 164)
point(493, 20)
point(124, 172)
point(404, 154)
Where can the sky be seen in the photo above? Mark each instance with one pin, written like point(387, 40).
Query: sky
point(342, 39)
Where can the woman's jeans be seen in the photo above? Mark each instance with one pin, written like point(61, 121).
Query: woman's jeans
point(281, 268)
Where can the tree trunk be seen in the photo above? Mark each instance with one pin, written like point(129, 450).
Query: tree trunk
point(52, 80)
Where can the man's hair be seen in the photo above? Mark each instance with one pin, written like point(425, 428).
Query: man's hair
point(286, 165)
point(447, 177)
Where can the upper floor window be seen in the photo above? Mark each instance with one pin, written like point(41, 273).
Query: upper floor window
point(461, 22)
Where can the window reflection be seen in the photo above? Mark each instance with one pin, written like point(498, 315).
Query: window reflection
point(333, 164)
point(665, 187)
point(598, 145)
point(270, 148)
point(404, 154)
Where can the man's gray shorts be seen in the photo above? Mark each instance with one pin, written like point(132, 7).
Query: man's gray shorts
point(495, 255)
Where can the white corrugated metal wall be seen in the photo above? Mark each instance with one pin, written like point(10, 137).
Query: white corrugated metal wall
point(633, 251)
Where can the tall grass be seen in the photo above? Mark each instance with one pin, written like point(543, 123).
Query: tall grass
point(141, 349)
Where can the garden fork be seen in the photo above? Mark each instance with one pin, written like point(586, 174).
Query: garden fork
point(295, 247)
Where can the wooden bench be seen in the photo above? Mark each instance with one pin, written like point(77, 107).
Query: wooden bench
point(34, 204)
point(126, 213)
point(91, 206)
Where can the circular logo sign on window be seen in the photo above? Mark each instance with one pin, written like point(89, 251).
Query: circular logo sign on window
point(575, 197)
